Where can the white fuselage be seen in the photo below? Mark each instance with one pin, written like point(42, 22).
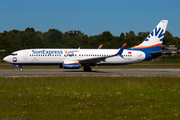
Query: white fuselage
point(58, 56)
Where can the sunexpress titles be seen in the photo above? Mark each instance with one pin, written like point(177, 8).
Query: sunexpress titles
point(47, 52)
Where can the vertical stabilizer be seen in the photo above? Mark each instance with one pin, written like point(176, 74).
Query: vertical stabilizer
point(155, 38)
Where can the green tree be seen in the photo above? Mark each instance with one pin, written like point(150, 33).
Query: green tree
point(169, 39)
point(29, 29)
point(54, 38)
point(143, 35)
point(178, 40)
point(107, 35)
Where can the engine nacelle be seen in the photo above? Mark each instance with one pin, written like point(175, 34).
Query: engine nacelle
point(71, 65)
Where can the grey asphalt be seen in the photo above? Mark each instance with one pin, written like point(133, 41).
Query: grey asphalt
point(138, 72)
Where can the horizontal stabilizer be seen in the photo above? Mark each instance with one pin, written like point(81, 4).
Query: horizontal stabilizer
point(157, 52)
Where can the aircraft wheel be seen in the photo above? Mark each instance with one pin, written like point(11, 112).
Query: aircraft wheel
point(87, 69)
point(84, 68)
point(20, 69)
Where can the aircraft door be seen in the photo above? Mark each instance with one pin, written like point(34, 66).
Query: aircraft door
point(139, 55)
point(25, 55)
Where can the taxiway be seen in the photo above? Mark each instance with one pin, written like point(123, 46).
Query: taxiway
point(150, 72)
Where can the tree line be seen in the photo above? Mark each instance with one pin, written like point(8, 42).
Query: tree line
point(29, 38)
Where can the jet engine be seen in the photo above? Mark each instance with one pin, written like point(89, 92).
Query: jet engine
point(71, 65)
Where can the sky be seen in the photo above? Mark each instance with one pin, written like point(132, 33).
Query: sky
point(92, 17)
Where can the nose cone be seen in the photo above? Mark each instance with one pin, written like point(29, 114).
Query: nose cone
point(6, 59)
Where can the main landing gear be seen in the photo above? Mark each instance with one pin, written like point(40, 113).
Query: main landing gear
point(87, 68)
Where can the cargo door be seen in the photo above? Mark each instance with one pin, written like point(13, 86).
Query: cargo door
point(139, 55)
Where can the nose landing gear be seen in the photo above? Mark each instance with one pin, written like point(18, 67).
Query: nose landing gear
point(20, 69)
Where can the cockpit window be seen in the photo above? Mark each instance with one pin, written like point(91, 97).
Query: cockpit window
point(14, 54)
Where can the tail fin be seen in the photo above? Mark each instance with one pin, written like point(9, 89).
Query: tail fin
point(154, 41)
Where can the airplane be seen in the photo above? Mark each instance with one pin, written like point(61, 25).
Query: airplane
point(75, 58)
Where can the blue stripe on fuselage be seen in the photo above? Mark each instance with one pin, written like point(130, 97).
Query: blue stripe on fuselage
point(29, 64)
point(148, 51)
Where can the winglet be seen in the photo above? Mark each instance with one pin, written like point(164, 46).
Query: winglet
point(100, 46)
point(121, 50)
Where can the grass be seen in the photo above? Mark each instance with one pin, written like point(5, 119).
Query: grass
point(90, 97)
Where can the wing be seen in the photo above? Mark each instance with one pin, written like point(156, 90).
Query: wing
point(94, 60)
